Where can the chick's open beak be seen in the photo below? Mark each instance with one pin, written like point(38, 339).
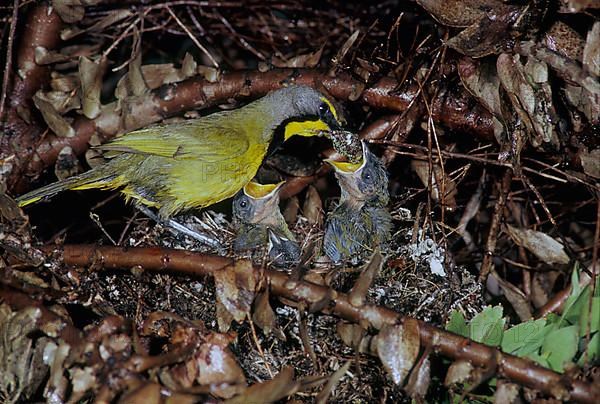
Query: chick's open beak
point(265, 199)
point(349, 174)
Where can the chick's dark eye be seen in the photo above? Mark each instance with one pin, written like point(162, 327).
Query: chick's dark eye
point(243, 204)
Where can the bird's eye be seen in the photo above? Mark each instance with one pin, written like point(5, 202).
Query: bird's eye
point(367, 176)
point(323, 108)
point(243, 204)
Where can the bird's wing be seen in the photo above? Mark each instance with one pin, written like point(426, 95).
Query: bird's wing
point(204, 139)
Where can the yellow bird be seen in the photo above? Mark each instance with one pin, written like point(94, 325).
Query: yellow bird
point(199, 162)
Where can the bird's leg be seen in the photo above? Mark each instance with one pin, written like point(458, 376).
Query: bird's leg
point(177, 227)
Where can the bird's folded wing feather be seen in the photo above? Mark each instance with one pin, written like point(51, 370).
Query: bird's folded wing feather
point(206, 141)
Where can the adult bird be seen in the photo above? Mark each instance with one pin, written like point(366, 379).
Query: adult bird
point(196, 163)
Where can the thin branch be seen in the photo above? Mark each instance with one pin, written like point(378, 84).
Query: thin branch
point(9, 56)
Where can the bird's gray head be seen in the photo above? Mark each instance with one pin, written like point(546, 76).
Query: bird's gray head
point(255, 202)
point(310, 111)
point(364, 181)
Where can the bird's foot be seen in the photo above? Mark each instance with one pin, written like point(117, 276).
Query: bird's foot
point(177, 227)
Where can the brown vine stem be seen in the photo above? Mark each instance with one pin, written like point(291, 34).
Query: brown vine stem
point(162, 260)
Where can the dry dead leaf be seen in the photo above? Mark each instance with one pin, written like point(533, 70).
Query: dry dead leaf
point(111, 18)
point(53, 119)
point(61, 101)
point(591, 51)
point(307, 60)
point(313, 206)
point(460, 372)
point(360, 289)
point(154, 393)
point(565, 40)
point(438, 182)
point(22, 367)
point(462, 13)
point(331, 383)
point(575, 6)
point(540, 244)
point(419, 379)
point(590, 161)
point(217, 366)
point(345, 48)
point(516, 297)
point(45, 57)
point(354, 336)
point(489, 35)
point(90, 74)
point(281, 386)
point(481, 79)
point(235, 286)
point(264, 316)
point(583, 100)
point(398, 347)
point(507, 393)
point(70, 11)
point(529, 91)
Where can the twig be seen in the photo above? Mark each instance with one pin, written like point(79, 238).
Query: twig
point(193, 37)
point(519, 370)
point(9, 56)
point(490, 245)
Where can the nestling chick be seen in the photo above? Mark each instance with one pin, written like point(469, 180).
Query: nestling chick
point(361, 221)
point(259, 223)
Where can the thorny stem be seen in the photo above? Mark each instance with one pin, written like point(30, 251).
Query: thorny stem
point(511, 367)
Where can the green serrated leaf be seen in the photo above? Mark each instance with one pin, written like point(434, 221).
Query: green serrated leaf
point(487, 327)
point(457, 324)
point(524, 338)
point(593, 351)
point(560, 346)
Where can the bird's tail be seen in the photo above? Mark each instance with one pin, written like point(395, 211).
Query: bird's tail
point(94, 178)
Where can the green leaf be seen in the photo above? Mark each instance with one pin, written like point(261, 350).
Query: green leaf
point(487, 327)
point(525, 338)
point(571, 309)
point(457, 324)
point(585, 318)
point(536, 357)
point(560, 346)
point(593, 351)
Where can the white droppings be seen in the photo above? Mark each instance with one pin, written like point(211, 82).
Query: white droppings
point(427, 250)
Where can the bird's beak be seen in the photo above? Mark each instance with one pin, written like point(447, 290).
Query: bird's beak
point(347, 168)
point(329, 121)
point(262, 191)
point(266, 198)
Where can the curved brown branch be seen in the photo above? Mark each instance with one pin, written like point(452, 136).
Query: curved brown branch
point(22, 133)
point(462, 113)
point(516, 369)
